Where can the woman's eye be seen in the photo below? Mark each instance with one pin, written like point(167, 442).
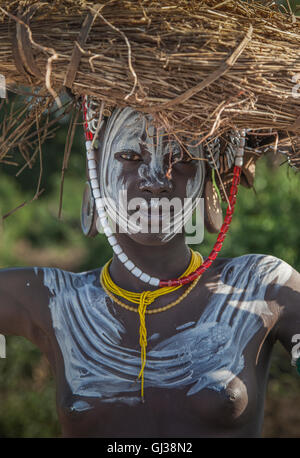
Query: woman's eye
point(130, 156)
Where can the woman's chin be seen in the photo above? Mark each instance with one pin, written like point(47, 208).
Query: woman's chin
point(150, 239)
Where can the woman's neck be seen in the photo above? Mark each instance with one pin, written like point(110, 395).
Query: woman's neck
point(165, 261)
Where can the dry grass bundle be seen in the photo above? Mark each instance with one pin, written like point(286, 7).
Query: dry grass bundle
point(198, 64)
point(200, 67)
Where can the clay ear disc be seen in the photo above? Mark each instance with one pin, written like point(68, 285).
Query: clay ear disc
point(88, 213)
point(213, 215)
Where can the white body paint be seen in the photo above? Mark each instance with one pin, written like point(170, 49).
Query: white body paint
point(207, 353)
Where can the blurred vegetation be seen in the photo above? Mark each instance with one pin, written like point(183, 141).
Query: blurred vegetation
point(267, 220)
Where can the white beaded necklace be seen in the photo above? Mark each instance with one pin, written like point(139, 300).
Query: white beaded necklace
point(92, 173)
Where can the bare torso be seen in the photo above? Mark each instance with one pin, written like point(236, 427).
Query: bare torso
point(207, 358)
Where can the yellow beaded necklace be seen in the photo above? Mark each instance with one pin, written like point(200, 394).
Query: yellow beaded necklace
point(146, 298)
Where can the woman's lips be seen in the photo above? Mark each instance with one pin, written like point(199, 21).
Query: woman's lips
point(155, 215)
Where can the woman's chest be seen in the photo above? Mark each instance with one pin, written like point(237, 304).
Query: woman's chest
point(165, 412)
point(207, 355)
point(207, 361)
point(191, 351)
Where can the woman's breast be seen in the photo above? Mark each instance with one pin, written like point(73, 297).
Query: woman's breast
point(164, 413)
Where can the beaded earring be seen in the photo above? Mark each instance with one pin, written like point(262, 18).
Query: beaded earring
point(219, 159)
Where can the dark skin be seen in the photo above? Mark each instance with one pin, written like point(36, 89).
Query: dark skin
point(236, 411)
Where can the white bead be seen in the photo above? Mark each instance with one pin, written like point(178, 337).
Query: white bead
point(137, 272)
point(129, 265)
point(112, 240)
point(93, 174)
point(90, 155)
point(239, 161)
point(88, 145)
point(123, 258)
point(154, 281)
point(242, 142)
point(99, 203)
point(145, 277)
point(107, 231)
point(101, 213)
point(117, 249)
point(95, 184)
point(96, 193)
point(92, 164)
point(104, 222)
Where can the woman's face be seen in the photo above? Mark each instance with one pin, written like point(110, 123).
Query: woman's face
point(134, 160)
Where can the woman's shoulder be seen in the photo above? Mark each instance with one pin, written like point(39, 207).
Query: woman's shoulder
point(59, 280)
point(262, 267)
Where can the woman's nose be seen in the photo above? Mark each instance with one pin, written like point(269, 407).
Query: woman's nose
point(156, 184)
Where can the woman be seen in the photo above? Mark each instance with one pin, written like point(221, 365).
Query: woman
point(197, 367)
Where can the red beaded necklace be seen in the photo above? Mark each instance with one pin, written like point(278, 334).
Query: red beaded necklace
point(220, 239)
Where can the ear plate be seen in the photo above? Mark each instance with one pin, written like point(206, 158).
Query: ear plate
point(88, 212)
point(213, 215)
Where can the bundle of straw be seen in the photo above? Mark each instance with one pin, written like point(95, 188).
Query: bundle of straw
point(198, 66)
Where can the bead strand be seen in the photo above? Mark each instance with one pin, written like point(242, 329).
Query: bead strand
point(93, 177)
point(220, 239)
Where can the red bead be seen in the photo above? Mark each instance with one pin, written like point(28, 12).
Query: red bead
point(89, 135)
point(221, 237)
point(236, 180)
point(224, 227)
point(233, 190)
point(207, 263)
point(185, 280)
point(201, 269)
point(193, 276)
point(227, 219)
point(230, 209)
point(232, 200)
point(213, 255)
point(218, 246)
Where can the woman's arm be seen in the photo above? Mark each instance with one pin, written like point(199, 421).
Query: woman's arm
point(287, 329)
point(23, 302)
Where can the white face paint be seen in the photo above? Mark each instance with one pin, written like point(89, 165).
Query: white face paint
point(207, 353)
point(128, 130)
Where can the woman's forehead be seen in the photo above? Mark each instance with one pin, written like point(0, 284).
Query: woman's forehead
point(129, 129)
point(126, 125)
